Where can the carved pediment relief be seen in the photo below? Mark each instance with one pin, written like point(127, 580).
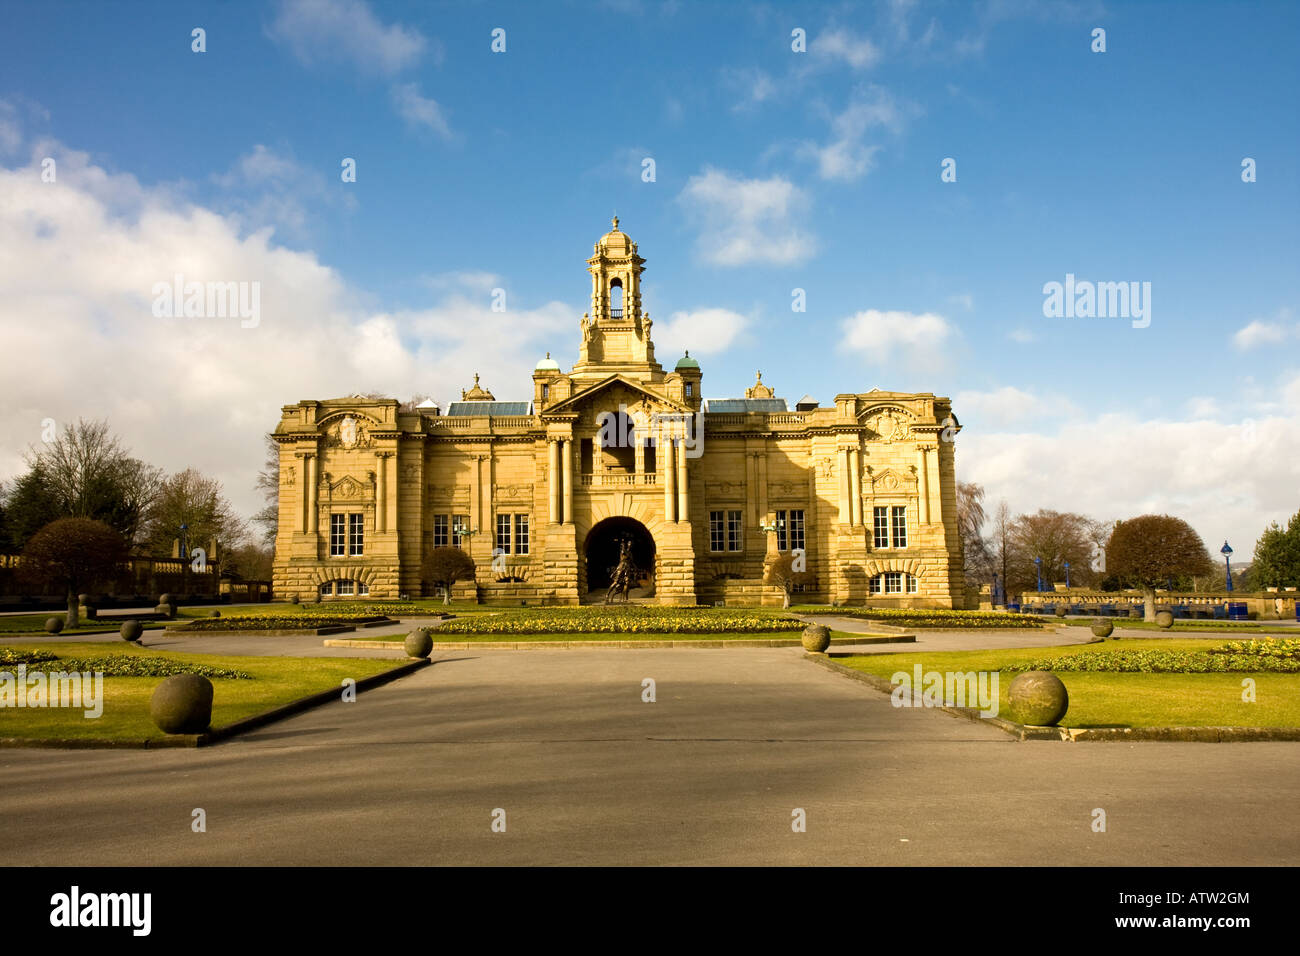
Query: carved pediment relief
point(348, 488)
point(349, 430)
point(887, 423)
point(891, 481)
point(519, 492)
point(724, 488)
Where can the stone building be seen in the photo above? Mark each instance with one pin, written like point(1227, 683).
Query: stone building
point(542, 491)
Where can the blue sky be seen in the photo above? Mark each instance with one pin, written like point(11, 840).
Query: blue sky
point(775, 170)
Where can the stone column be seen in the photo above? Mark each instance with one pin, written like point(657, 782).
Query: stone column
point(855, 485)
point(566, 470)
point(381, 493)
point(302, 497)
point(553, 480)
point(311, 492)
point(683, 506)
point(842, 463)
point(670, 479)
point(638, 457)
point(933, 468)
point(923, 482)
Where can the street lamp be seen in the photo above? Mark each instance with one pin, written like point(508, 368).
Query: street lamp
point(1226, 551)
point(185, 557)
point(1067, 575)
point(1038, 563)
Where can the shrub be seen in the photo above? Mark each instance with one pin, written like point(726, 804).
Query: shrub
point(1159, 662)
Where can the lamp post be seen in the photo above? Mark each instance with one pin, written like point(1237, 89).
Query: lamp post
point(1038, 564)
point(185, 557)
point(1067, 575)
point(1226, 551)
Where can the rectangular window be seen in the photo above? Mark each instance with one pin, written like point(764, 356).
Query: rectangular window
point(900, 527)
point(521, 534)
point(363, 588)
point(911, 584)
point(327, 589)
point(345, 587)
point(893, 582)
point(689, 388)
point(503, 534)
point(356, 534)
point(795, 524)
point(440, 539)
point(878, 584)
point(717, 531)
point(782, 537)
point(459, 525)
point(337, 536)
point(882, 526)
point(733, 531)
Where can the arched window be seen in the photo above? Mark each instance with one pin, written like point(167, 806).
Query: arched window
point(616, 299)
point(344, 587)
point(893, 582)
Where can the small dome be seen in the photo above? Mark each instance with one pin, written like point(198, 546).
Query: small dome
point(547, 364)
point(687, 362)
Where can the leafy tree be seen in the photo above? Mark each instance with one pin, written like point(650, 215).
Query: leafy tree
point(1277, 556)
point(1056, 537)
point(85, 473)
point(250, 561)
point(780, 572)
point(268, 482)
point(970, 526)
point(1147, 551)
point(192, 499)
point(443, 567)
point(73, 553)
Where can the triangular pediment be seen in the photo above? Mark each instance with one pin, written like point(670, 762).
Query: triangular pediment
point(891, 480)
point(604, 393)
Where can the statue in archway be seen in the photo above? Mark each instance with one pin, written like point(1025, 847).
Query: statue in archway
point(623, 576)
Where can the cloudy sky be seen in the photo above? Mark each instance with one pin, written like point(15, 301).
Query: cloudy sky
point(774, 170)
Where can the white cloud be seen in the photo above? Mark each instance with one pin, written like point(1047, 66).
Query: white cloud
point(324, 30)
point(846, 156)
point(81, 259)
point(753, 85)
point(857, 51)
point(747, 221)
point(420, 110)
point(999, 407)
point(702, 331)
point(1227, 479)
point(915, 338)
point(1259, 332)
point(266, 188)
point(1023, 336)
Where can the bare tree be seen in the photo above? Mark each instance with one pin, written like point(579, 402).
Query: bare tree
point(970, 526)
point(268, 482)
point(192, 499)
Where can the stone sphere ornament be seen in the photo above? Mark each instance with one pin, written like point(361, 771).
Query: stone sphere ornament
point(54, 624)
point(182, 704)
point(1060, 610)
point(214, 613)
point(165, 599)
point(419, 643)
point(816, 638)
point(1038, 698)
point(1103, 628)
point(131, 630)
point(1165, 619)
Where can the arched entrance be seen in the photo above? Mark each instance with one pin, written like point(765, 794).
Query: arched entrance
point(601, 551)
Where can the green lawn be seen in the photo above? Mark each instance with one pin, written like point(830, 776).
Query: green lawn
point(30, 624)
point(1125, 700)
point(1137, 623)
point(276, 681)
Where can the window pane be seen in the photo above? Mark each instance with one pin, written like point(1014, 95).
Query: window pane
point(782, 538)
point(877, 584)
point(893, 582)
point(336, 536)
point(363, 588)
point(440, 539)
point(521, 534)
point(345, 587)
point(733, 530)
point(911, 584)
point(327, 588)
point(716, 539)
point(900, 527)
point(881, 527)
point(459, 523)
point(503, 533)
point(356, 534)
point(796, 531)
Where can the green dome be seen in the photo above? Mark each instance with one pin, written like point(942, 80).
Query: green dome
point(547, 364)
point(687, 362)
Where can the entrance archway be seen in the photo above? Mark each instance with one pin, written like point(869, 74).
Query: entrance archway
point(601, 551)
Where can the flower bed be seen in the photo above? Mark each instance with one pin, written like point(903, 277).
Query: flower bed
point(1287, 647)
point(933, 617)
point(1160, 662)
point(273, 622)
point(114, 665)
point(628, 619)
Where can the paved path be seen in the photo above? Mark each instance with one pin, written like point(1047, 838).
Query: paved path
point(966, 639)
point(588, 773)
